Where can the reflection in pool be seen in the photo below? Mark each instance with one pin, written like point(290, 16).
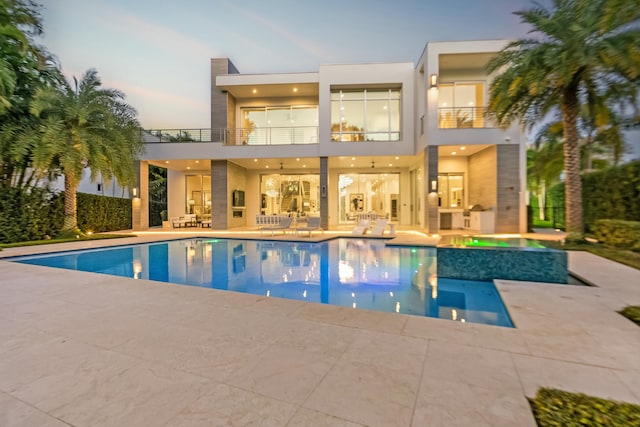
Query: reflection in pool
point(356, 273)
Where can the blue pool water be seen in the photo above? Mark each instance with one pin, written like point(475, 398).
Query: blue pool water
point(357, 273)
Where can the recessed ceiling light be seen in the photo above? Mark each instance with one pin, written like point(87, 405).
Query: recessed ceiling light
point(390, 164)
point(353, 158)
point(297, 159)
point(255, 160)
point(295, 89)
point(188, 167)
point(304, 166)
point(267, 166)
point(463, 148)
point(351, 164)
point(453, 153)
point(197, 161)
point(255, 90)
point(167, 161)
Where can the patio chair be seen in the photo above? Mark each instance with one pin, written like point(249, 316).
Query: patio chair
point(190, 220)
point(283, 225)
point(177, 222)
point(362, 227)
point(379, 227)
point(313, 224)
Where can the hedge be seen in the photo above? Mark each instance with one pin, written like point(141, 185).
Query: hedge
point(622, 234)
point(29, 214)
point(556, 408)
point(35, 213)
point(612, 193)
point(101, 213)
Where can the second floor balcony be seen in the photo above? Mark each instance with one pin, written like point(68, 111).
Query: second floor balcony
point(464, 118)
point(235, 136)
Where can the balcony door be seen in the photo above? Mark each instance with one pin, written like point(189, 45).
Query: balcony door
point(461, 105)
point(296, 124)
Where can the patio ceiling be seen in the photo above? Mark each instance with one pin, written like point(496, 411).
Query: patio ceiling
point(313, 163)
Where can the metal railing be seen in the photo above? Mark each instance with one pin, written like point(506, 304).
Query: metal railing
point(182, 135)
point(273, 136)
point(463, 118)
point(230, 136)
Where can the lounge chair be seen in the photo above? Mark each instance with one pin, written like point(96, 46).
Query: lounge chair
point(283, 225)
point(313, 224)
point(362, 227)
point(189, 220)
point(379, 227)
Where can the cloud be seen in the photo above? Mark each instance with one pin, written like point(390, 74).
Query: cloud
point(121, 20)
point(306, 45)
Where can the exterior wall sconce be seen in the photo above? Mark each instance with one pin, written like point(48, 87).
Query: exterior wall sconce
point(433, 81)
point(434, 185)
point(134, 191)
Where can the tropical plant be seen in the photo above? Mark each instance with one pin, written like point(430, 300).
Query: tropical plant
point(583, 52)
point(24, 67)
point(85, 125)
point(544, 163)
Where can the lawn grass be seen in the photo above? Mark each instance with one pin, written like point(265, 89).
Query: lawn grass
point(632, 312)
point(64, 240)
point(623, 256)
point(556, 408)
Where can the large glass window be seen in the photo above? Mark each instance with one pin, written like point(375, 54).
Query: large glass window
point(198, 192)
point(451, 190)
point(279, 125)
point(365, 115)
point(290, 194)
point(461, 105)
point(368, 193)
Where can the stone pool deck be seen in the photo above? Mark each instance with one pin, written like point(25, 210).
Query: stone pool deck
point(85, 349)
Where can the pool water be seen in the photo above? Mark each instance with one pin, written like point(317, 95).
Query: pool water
point(492, 242)
point(356, 273)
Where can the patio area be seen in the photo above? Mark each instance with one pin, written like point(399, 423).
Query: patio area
point(85, 349)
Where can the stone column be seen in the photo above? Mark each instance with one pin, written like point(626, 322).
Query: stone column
point(324, 193)
point(220, 209)
point(140, 202)
point(430, 195)
point(508, 191)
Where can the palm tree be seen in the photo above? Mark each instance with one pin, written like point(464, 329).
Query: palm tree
point(85, 125)
point(18, 19)
point(585, 52)
point(544, 163)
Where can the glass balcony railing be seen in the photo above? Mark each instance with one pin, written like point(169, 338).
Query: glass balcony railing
point(463, 118)
point(273, 136)
point(230, 136)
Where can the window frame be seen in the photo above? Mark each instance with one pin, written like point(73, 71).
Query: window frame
point(366, 133)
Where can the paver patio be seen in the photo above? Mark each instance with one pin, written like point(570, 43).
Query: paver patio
point(85, 349)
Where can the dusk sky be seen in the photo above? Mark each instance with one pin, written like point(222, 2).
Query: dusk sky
point(157, 51)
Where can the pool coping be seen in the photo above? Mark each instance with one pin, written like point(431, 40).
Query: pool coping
point(566, 336)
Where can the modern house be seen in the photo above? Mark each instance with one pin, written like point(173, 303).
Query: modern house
point(409, 142)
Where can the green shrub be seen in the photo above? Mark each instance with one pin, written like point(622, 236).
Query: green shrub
point(612, 193)
point(556, 408)
point(29, 214)
point(35, 213)
point(621, 234)
point(101, 213)
point(632, 312)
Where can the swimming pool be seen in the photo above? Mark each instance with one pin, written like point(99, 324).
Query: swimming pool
point(348, 272)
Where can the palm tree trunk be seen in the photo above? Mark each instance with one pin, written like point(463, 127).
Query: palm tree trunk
point(573, 183)
point(542, 198)
point(70, 218)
